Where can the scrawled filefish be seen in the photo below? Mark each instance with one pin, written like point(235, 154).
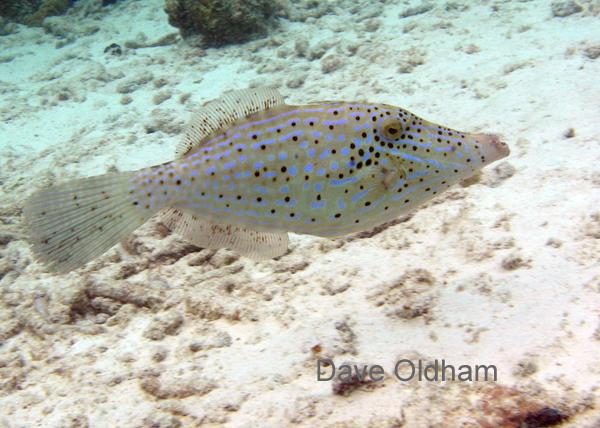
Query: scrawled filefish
point(251, 168)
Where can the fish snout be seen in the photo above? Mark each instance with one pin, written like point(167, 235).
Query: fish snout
point(492, 147)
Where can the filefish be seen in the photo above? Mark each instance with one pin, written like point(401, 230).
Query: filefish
point(251, 168)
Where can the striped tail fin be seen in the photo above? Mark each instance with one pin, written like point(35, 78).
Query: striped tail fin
point(71, 223)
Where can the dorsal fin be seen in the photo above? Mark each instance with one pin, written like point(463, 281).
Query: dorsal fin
point(217, 113)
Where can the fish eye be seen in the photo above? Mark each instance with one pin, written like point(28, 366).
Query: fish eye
point(391, 129)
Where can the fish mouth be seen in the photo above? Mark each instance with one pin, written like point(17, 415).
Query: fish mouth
point(492, 147)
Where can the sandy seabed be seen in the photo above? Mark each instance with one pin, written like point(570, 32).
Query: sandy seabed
point(503, 270)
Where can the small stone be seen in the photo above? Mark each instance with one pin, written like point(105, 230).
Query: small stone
point(162, 421)
point(184, 98)
point(333, 289)
point(372, 25)
point(420, 307)
point(159, 354)
point(352, 48)
point(545, 417)
point(346, 384)
point(221, 340)
point(592, 52)
point(318, 51)
point(159, 83)
point(525, 368)
point(223, 258)
point(569, 133)
point(7, 27)
point(101, 318)
point(201, 257)
point(135, 83)
point(6, 237)
point(562, 8)
point(6, 58)
point(331, 63)
point(295, 82)
point(455, 6)
point(471, 49)
point(500, 173)
point(113, 49)
point(514, 262)
point(63, 96)
point(301, 47)
point(416, 10)
point(167, 324)
point(409, 59)
point(409, 27)
point(161, 97)
point(554, 243)
point(282, 53)
point(126, 99)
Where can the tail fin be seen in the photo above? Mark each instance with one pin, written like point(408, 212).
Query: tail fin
point(72, 223)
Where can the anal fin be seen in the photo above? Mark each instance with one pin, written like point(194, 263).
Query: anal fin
point(251, 243)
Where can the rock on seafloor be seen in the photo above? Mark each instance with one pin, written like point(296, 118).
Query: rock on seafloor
point(222, 21)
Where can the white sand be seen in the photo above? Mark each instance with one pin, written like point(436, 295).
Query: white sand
point(504, 271)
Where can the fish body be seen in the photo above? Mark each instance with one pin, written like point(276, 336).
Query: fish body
point(252, 168)
point(323, 169)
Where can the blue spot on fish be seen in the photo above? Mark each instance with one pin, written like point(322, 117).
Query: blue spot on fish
point(335, 182)
point(360, 195)
point(265, 142)
point(261, 189)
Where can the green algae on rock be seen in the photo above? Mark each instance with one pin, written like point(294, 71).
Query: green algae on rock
point(32, 12)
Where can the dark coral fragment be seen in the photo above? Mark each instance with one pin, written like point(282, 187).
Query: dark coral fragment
point(545, 417)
